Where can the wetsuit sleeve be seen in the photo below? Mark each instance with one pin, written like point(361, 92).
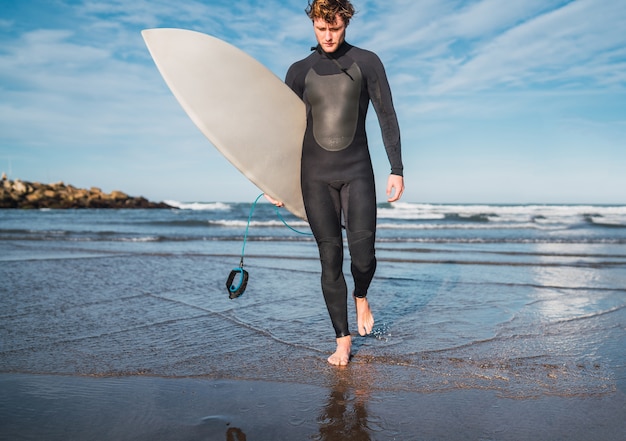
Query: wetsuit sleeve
point(380, 95)
point(291, 79)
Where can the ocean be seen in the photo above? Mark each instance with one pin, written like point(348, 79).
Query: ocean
point(524, 301)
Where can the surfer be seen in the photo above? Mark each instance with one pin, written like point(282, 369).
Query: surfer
point(337, 82)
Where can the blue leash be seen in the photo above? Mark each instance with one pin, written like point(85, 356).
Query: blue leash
point(237, 289)
point(280, 216)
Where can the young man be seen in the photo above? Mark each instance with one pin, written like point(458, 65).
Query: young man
point(337, 82)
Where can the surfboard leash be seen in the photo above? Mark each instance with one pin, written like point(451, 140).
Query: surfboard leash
point(280, 216)
point(236, 289)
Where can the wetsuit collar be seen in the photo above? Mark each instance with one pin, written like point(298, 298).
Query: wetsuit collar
point(334, 56)
point(341, 50)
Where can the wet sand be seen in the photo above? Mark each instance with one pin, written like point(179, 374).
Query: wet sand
point(37, 407)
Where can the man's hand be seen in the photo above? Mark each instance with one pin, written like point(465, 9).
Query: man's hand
point(395, 187)
point(272, 200)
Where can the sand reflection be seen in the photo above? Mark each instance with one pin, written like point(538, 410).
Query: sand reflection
point(345, 414)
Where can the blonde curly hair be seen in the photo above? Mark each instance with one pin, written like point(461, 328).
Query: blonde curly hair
point(327, 10)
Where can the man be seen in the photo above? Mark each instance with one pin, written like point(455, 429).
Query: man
point(337, 82)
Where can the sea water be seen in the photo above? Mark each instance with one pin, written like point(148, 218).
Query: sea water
point(526, 300)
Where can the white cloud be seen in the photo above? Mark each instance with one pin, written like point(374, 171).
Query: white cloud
point(548, 48)
point(489, 17)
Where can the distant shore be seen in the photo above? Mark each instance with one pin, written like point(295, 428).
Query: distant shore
point(34, 195)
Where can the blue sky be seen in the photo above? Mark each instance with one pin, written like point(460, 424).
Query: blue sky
point(513, 101)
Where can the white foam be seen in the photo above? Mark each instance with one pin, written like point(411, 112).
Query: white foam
point(209, 206)
point(514, 214)
point(460, 226)
point(261, 224)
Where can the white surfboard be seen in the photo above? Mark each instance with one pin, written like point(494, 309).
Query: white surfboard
point(249, 114)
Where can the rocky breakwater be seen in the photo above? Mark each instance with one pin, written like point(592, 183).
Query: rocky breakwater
point(23, 194)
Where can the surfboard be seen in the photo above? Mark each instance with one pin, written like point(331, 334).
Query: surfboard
point(249, 114)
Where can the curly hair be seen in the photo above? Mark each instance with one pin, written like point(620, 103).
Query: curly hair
point(327, 10)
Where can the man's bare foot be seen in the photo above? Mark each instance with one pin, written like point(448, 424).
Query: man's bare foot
point(341, 357)
point(364, 316)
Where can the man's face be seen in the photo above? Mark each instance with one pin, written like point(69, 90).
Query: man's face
point(330, 35)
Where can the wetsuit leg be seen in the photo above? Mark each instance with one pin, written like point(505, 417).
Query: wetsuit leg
point(360, 199)
point(323, 207)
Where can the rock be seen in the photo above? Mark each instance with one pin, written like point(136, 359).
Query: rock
point(22, 194)
point(19, 187)
point(118, 195)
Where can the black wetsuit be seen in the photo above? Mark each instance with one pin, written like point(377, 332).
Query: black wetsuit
point(337, 176)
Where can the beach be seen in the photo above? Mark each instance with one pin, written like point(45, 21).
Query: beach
point(492, 323)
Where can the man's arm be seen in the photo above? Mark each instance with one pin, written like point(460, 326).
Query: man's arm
point(380, 95)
